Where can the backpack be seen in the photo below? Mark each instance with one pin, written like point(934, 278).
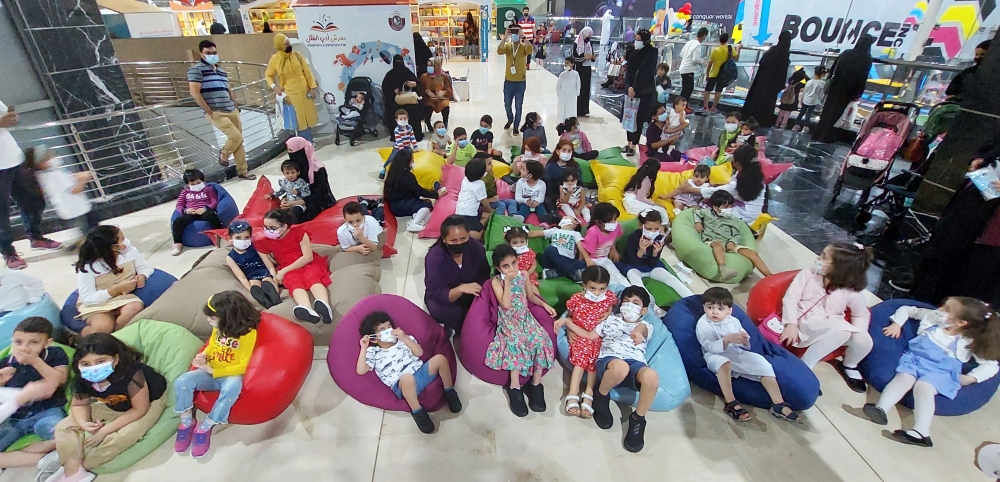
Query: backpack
point(728, 73)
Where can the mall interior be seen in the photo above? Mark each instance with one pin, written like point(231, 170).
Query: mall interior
point(766, 230)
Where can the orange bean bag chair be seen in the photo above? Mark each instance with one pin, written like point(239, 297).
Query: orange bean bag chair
point(765, 298)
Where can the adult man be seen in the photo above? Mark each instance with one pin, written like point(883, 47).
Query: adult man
point(691, 61)
point(20, 185)
point(209, 86)
point(716, 58)
point(527, 25)
point(517, 51)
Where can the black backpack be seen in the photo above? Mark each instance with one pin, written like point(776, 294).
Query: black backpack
point(728, 73)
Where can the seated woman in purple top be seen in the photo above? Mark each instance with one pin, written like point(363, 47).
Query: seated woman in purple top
point(665, 129)
point(455, 269)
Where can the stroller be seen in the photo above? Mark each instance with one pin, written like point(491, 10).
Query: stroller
point(353, 122)
point(875, 149)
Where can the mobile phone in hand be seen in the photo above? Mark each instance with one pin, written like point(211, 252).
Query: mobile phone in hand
point(10, 109)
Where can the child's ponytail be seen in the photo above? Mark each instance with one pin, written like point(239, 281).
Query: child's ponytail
point(849, 266)
point(561, 128)
point(983, 327)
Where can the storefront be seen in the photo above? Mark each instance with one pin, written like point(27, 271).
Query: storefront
point(278, 14)
point(444, 23)
point(195, 16)
point(138, 19)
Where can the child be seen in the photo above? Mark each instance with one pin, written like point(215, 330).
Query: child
point(394, 356)
point(642, 256)
point(405, 196)
point(570, 130)
point(402, 138)
point(357, 102)
point(721, 230)
point(639, 190)
point(560, 258)
point(586, 310)
point(33, 360)
point(726, 346)
point(726, 139)
point(461, 151)
point(688, 200)
point(196, 202)
point(567, 90)
point(531, 150)
point(116, 400)
point(663, 84)
point(255, 272)
point(814, 305)
point(219, 367)
point(302, 271)
point(108, 271)
point(557, 164)
point(517, 238)
point(533, 128)
point(571, 196)
point(529, 192)
point(483, 138)
point(64, 191)
point(676, 122)
point(18, 289)
point(292, 190)
point(960, 330)
point(788, 102)
point(746, 137)
point(812, 96)
point(622, 363)
point(473, 197)
point(600, 243)
point(439, 139)
point(521, 346)
point(359, 233)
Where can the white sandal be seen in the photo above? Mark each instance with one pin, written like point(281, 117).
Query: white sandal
point(571, 403)
point(587, 409)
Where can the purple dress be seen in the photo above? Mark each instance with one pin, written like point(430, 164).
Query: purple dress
point(441, 274)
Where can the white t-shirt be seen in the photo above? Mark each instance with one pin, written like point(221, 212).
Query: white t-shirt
point(691, 57)
point(564, 241)
point(392, 363)
point(524, 193)
point(10, 154)
point(18, 290)
point(57, 185)
point(616, 340)
point(87, 282)
point(371, 229)
point(470, 197)
point(813, 92)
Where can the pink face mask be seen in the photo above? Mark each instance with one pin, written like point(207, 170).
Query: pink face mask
point(272, 233)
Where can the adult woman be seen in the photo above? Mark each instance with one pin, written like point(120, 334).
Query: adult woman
point(471, 37)
point(455, 269)
point(658, 145)
point(396, 81)
point(747, 185)
point(770, 80)
point(435, 88)
point(639, 82)
point(321, 197)
point(847, 83)
point(583, 57)
point(421, 54)
point(288, 73)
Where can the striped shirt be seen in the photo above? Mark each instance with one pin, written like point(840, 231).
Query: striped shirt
point(404, 137)
point(214, 86)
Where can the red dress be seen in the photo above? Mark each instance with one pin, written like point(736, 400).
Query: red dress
point(288, 250)
point(524, 262)
point(587, 315)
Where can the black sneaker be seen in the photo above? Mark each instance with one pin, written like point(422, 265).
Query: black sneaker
point(875, 414)
point(271, 292)
point(549, 274)
point(258, 294)
point(515, 131)
point(423, 420)
point(516, 401)
point(536, 397)
point(634, 437)
point(323, 310)
point(602, 410)
point(903, 283)
point(856, 384)
point(507, 125)
point(451, 398)
point(305, 314)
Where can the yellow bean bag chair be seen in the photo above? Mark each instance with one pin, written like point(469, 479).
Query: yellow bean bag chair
point(611, 181)
point(427, 166)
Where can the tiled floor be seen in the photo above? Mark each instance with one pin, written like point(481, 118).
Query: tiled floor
point(326, 435)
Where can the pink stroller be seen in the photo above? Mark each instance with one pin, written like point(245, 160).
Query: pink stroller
point(873, 153)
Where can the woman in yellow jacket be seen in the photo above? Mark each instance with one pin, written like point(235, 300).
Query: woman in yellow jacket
point(287, 73)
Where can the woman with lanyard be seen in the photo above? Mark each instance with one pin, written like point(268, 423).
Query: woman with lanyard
point(639, 74)
point(455, 269)
point(583, 57)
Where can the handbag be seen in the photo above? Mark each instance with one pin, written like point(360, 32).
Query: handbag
point(630, 112)
point(407, 97)
point(288, 117)
point(771, 326)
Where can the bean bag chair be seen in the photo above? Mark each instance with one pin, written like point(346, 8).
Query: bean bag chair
point(32, 438)
point(46, 308)
point(227, 210)
point(799, 386)
point(253, 212)
point(168, 349)
point(426, 165)
point(879, 367)
point(156, 286)
point(479, 330)
point(611, 156)
point(664, 295)
point(695, 253)
point(354, 277)
point(368, 389)
point(451, 178)
point(765, 298)
point(661, 355)
point(278, 368)
point(611, 181)
point(770, 169)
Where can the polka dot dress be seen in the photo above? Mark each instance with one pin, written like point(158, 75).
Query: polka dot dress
point(587, 315)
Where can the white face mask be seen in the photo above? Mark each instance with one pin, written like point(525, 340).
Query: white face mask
point(127, 243)
point(197, 187)
point(521, 249)
point(213, 323)
point(402, 123)
point(595, 298)
point(730, 127)
point(566, 156)
point(242, 244)
point(819, 267)
point(939, 318)
point(726, 212)
point(650, 234)
point(638, 44)
point(386, 336)
point(528, 153)
point(630, 311)
point(569, 187)
point(568, 68)
point(610, 226)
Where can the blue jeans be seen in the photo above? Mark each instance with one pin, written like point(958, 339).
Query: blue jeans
point(306, 134)
point(229, 389)
point(505, 206)
point(513, 91)
point(551, 259)
point(805, 113)
point(42, 424)
point(524, 210)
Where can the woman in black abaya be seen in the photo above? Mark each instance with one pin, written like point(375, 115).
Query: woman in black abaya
point(639, 73)
point(421, 53)
point(850, 75)
point(393, 84)
point(769, 81)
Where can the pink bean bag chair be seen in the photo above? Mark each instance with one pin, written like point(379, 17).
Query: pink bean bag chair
point(480, 328)
point(504, 190)
point(451, 178)
point(770, 169)
point(368, 389)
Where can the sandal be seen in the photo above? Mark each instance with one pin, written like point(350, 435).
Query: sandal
point(778, 410)
point(587, 409)
point(739, 414)
point(223, 159)
point(572, 407)
point(248, 177)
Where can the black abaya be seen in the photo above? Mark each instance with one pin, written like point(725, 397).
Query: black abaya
point(848, 81)
point(769, 81)
point(585, 71)
point(393, 81)
point(639, 73)
point(421, 54)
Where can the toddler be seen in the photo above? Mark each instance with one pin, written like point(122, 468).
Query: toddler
point(726, 346)
point(517, 238)
point(218, 367)
point(255, 272)
point(521, 346)
point(402, 138)
point(812, 97)
point(473, 197)
point(64, 191)
point(676, 122)
point(688, 200)
point(721, 230)
point(359, 233)
point(292, 190)
point(599, 243)
point(108, 271)
point(570, 130)
point(197, 201)
point(461, 151)
point(788, 102)
point(394, 356)
point(565, 255)
point(571, 201)
point(439, 139)
point(663, 84)
point(302, 271)
point(529, 192)
point(642, 257)
point(746, 137)
point(483, 138)
point(586, 310)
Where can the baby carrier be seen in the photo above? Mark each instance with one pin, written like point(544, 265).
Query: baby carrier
point(353, 122)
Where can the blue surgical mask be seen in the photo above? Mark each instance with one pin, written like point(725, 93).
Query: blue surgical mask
point(484, 130)
point(212, 59)
point(514, 37)
point(662, 117)
point(462, 143)
point(430, 70)
point(441, 131)
point(97, 373)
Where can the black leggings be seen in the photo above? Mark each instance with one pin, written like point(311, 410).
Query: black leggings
point(429, 111)
point(185, 220)
point(647, 104)
point(586, 156)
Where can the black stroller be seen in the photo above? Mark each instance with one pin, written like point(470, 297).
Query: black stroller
point(353, 122)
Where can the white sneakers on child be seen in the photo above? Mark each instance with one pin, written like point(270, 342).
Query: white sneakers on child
point(176, 249)
point(414, 227)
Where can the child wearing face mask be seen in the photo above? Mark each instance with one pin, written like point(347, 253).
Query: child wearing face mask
point(300, 269)
point(483, 138)
point(565, 255)
point(359, 233)
point(107, 300)
point(521, 346)
point(745, 136)
point(961, 330)
point(726, 139)
point(567, 90)
point(461, 151)
point(600, 242)
point(533, 128)
point(403, 137)
point(557, 165)
point(586, 310)
point(571, 194)
point(218, 367)
point(197, 201)
point(688, 200)
point(531, 150)
point(720, 229)
point(255, 272)
point(570, 130)
point(726, 347)
point(641, 258)
point(529, 192)
point(439, 139)
point(527, 262)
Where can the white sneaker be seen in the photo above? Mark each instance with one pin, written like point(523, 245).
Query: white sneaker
point(415, 227)
point(518, 218)
point(176, 249)
point(49, 458)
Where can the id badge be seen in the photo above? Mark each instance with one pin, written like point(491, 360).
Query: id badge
point(513, 70)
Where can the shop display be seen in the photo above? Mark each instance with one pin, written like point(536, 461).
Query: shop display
point(194, 20)
point(278, 15)
point(440, 22)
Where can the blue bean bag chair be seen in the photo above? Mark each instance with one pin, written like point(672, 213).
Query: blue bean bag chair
point(227, 210)
point(661, 355)
point(46, 308)
point(155, 286)
point(880, 365)
point(799, 386)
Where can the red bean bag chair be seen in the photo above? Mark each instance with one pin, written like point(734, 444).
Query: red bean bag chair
point(342, 359)
point(451, 178)
point(765, 298)
point(480, 328)
point(278, 367)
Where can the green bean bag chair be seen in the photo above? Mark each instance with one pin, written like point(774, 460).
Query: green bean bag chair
point(32, 438)
point(612, 156)
point(695, 253)
point(664, 295)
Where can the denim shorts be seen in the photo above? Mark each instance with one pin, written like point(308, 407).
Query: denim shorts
point(423, 378)
point(630, 382)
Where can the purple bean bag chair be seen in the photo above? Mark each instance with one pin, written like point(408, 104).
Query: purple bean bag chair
point(342, 359)
point(479, 330)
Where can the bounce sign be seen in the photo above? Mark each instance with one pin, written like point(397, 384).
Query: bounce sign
point(829, 24)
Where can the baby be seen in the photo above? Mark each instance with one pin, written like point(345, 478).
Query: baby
point(684, 201)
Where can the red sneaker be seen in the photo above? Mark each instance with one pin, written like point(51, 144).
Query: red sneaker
point(45, 244)
point(14, 261)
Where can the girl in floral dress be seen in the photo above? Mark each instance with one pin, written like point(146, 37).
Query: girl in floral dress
point(517, 238)
point(587, 309)
point(521, 346)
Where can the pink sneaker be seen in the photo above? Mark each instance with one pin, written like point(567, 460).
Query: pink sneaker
point(46, 244)
point(15, 262)
point(183, 441)
point(202, 442)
